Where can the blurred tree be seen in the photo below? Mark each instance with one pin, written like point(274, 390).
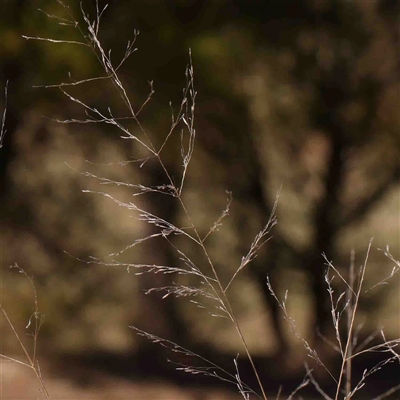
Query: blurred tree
point(334, 50)
point(329, 52)
point(302, 94)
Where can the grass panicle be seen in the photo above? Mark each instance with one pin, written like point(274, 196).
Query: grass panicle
point(209, 289)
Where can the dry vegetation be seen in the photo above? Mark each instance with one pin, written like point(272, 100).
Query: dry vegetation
point(208, 289)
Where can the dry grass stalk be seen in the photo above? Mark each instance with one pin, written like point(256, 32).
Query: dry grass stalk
point(210, 285)
point(36, 320)
point(343, 311)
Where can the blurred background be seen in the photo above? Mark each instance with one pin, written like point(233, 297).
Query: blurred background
point(297, 95)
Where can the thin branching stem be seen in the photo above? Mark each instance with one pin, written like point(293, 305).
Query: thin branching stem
point(225, 301)
point(351, 326)
point(38, 320)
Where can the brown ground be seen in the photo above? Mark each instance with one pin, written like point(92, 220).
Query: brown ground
point(19, 383)
point(134, 378)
